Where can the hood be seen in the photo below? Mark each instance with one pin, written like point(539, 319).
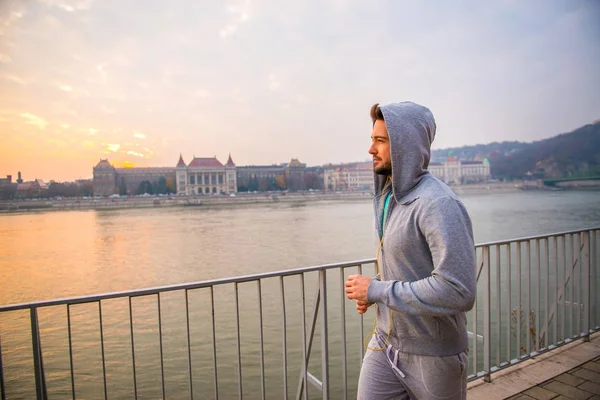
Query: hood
point(411, 128)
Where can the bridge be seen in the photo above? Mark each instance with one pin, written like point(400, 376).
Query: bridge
point(292, 334)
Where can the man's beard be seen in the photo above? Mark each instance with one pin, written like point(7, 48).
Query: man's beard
point(383, 169)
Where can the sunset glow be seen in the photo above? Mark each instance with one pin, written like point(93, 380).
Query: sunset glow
point(139, 84)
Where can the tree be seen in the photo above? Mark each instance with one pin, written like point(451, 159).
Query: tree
point(122, 188)
point(144, 187)
point(162, 185)
point(313, 181)
point(170, 183)
point(280, 182)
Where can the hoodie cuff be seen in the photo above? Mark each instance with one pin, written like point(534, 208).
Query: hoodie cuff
point(375, 291)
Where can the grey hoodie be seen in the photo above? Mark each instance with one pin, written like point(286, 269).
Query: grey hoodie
point(427, 260)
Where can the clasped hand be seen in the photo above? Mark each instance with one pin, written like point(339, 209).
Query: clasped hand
point(357, 287)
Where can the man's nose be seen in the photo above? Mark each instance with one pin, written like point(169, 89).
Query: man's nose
point(372, 149)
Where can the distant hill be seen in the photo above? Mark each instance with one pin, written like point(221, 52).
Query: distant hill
point(568, 155)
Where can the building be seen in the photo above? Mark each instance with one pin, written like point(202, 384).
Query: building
point(359, 176)
point(290, 176)
point(295, 175)
point(261, 178)
point(206, 175)
point(104, 178)
point(109, 180)
point(352, 176)
point(456, 172)
point(33, 189)
point(6, 181)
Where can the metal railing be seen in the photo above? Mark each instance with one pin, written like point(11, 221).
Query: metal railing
point(253, 336)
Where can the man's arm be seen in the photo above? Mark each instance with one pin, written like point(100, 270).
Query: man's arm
point(451, 288)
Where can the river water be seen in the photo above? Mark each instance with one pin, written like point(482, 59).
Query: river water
point(50, 255)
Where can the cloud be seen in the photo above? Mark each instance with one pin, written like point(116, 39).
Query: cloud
point(102, 72)
point(69, 5)
point(128, 164)
point(10, 19)
point(88, 144)
point(65, 88)
point(15, 79)
point(139, 135)
point(135, 153)
point(113, 147)
point(5, 58)
point(93, 131)
point(228, 30)
point(274, 83)
point(34, 120)
point(238, 15)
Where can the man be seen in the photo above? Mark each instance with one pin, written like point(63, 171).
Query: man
point(426, 261)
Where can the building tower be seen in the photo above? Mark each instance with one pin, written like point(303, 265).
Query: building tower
point(231, 175)
point(181, 176)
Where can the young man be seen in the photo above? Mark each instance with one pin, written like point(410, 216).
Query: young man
point(426, 265)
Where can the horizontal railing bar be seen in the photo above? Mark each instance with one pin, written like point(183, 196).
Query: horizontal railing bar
point(544, 236)
point(183, 286)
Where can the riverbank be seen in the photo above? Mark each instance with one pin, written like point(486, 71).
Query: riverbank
point(177, 201)
point(240, 199)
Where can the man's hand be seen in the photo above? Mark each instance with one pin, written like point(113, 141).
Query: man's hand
point(357, 287)
point(362, 307)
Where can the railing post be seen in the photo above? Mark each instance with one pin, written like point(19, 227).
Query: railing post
point(487, 311)
point(2, 387)
point(585, 263)
point(324, 334)
point(38, 363)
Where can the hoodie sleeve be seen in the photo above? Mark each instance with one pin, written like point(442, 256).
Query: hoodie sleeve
point(452, 285)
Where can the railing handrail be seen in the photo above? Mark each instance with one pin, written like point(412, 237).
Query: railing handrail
point(535, 237)
point(181, 286)
point(240, 279)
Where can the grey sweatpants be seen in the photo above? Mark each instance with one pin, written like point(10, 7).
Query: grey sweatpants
point(393, 375)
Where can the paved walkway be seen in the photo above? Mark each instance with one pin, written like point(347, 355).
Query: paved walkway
point(582, 382)
point(570, 372)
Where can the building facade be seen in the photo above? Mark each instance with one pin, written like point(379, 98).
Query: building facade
point(456, 172)
point(290, 176)
point(206, 176)
point(109, 180)
point(352, 176)
point(359, 176)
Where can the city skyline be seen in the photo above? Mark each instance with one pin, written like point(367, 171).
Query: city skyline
point(82, 80)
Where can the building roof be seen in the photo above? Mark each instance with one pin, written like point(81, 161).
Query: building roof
point(368, 165)
point(296, 163)
point(145, 170)
point(103, 164)
point(472, 162)
point(230, 162)
point(180, 163)
point(42, 184)
point(205, 162)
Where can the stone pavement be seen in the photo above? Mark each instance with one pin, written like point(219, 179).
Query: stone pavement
point(582, 382)
point(569, 372)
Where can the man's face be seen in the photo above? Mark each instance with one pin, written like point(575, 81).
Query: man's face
point(380, 149)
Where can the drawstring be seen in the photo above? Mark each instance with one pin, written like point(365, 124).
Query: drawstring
point(390, 350)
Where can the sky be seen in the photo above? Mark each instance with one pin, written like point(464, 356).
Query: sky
point(141, 82)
